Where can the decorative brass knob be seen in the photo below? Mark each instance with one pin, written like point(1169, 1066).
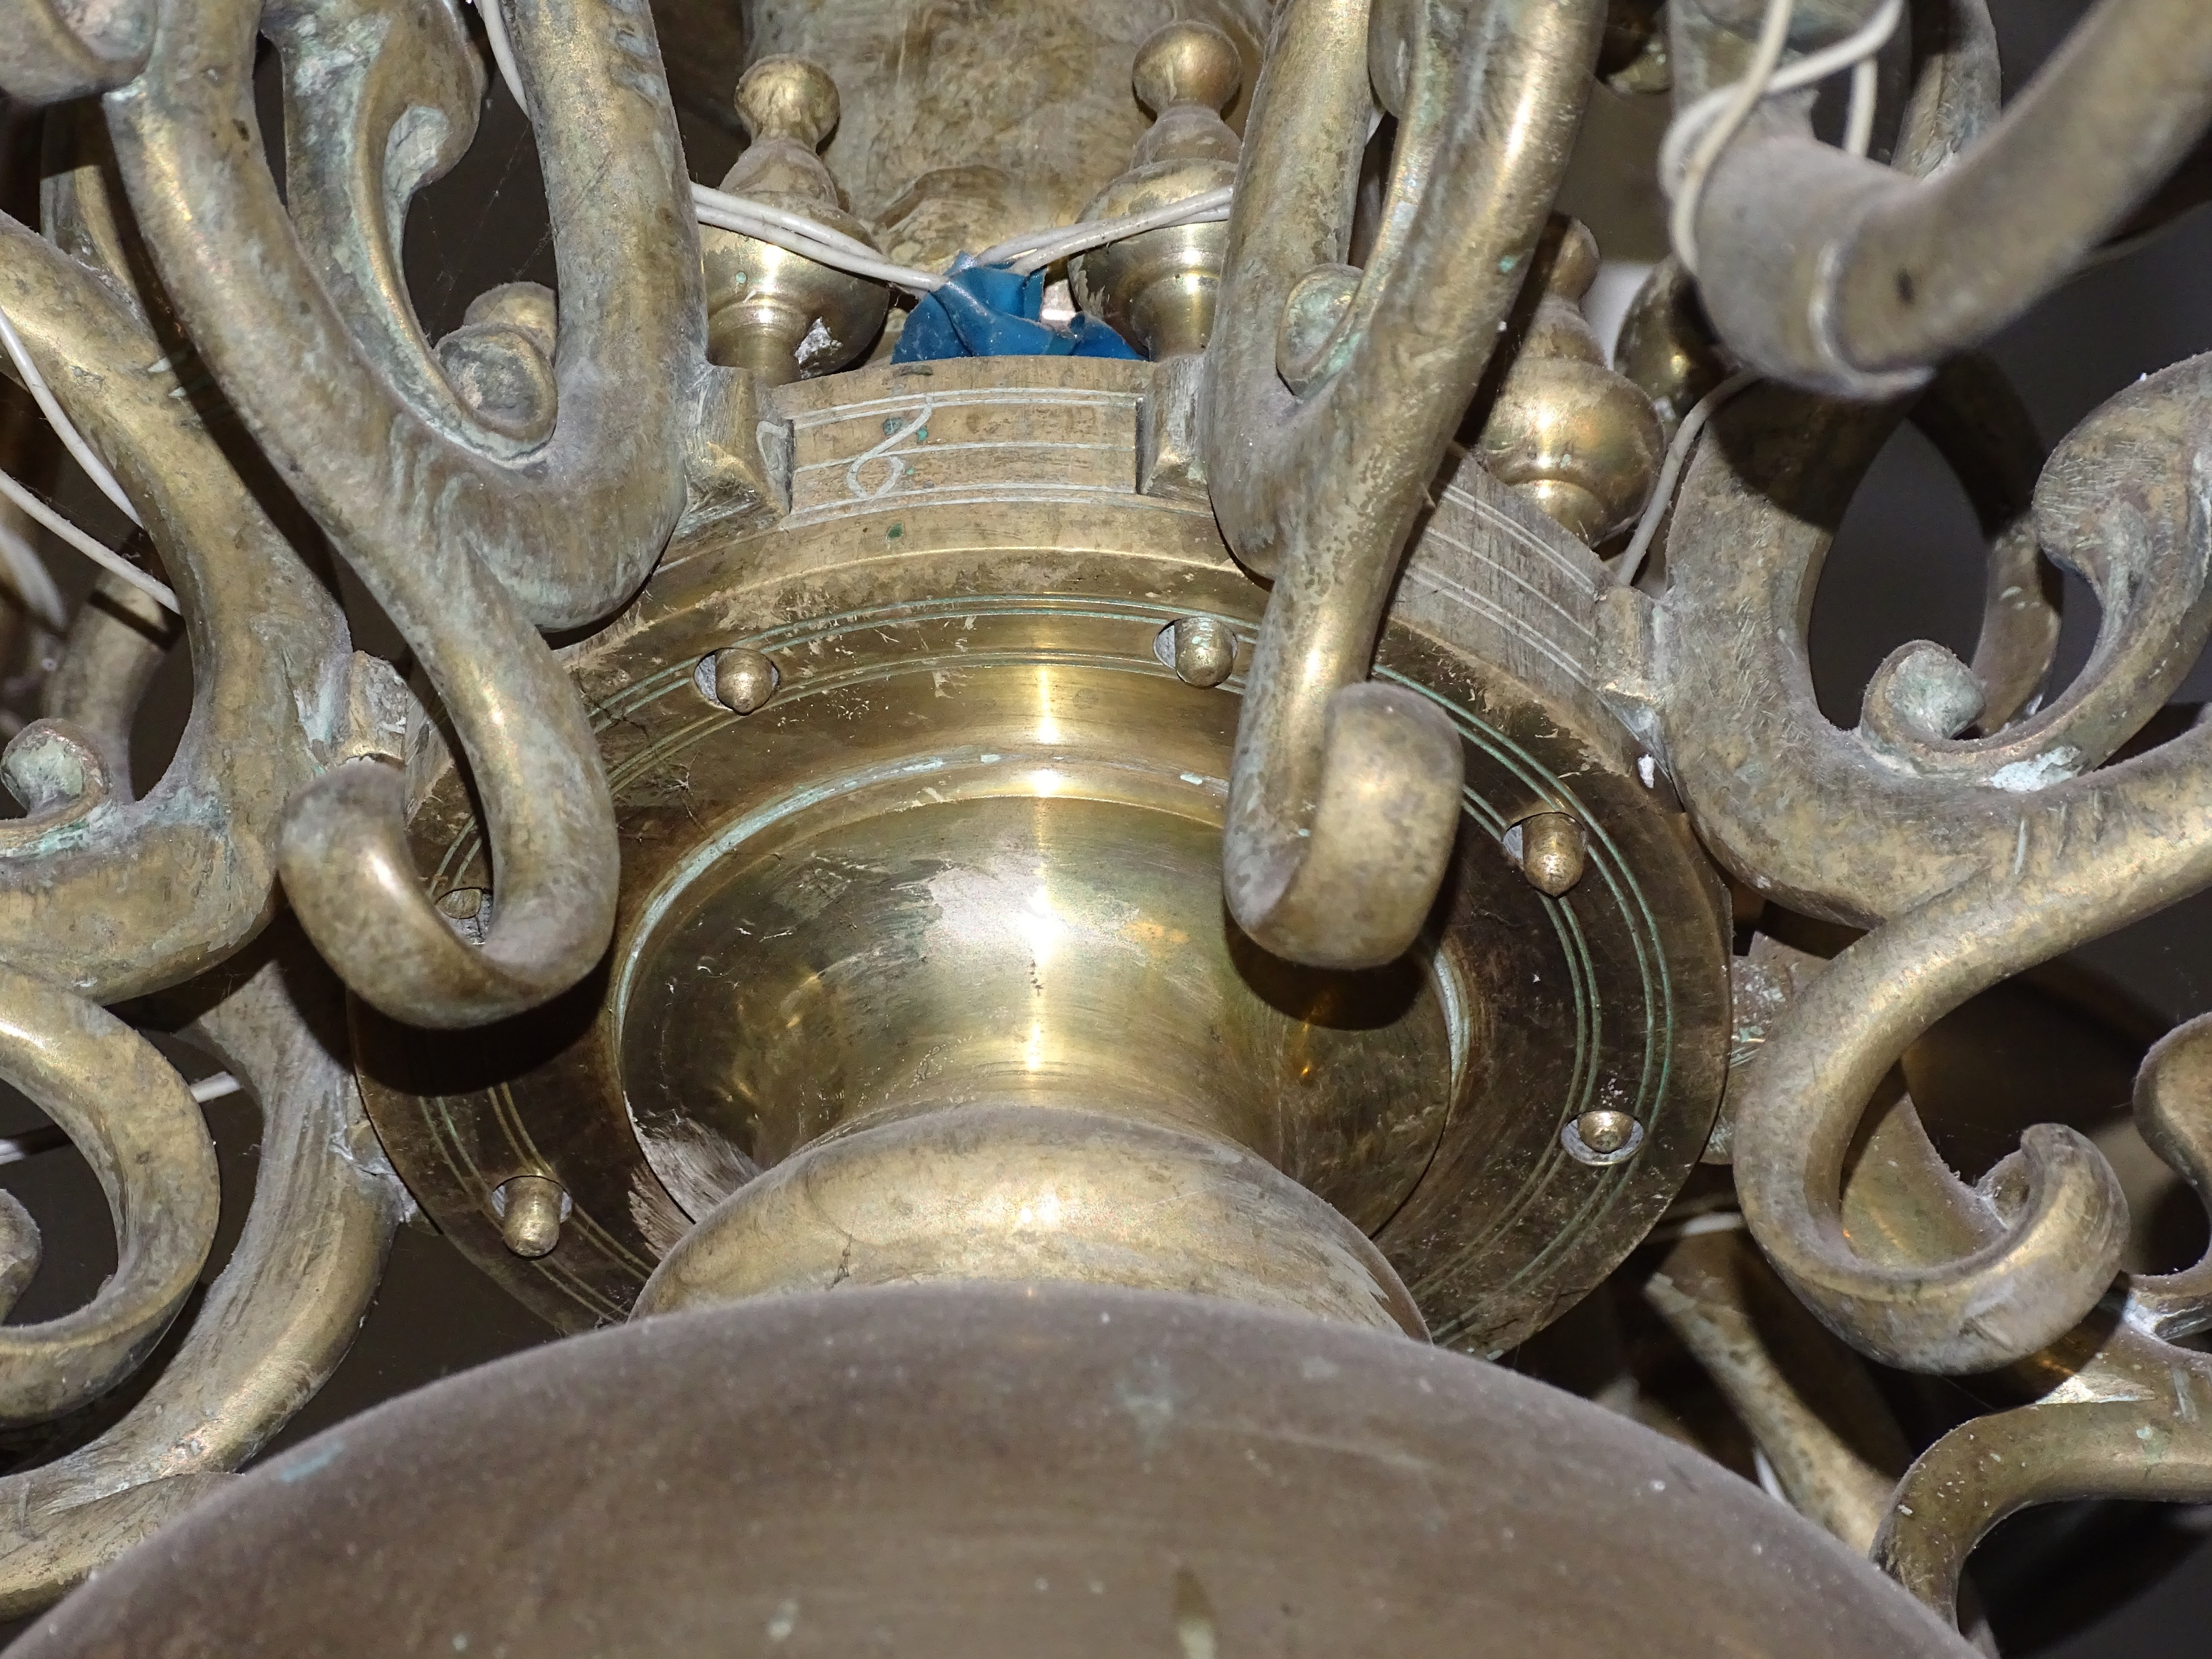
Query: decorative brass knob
point(500, 361)
point(1667, 346)
point(776, 313)
point(1566, 431)
point(1158, 289)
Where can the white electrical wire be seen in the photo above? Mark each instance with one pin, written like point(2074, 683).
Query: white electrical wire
point(215, 1087)
point(72, 439)
point(502, 50)
point(1670, 473)
point(105, 557)
point(28, 573)
point(1696, 140)
point(33, 582)
point(811, 239)
point(1027, 254)
point(1034, 252)
point(814, 230)
point(1858, 123)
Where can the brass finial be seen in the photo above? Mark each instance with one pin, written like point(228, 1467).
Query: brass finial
point(1158, 289)
point(1187, 73)
point(1576, 438)
point(775, 313)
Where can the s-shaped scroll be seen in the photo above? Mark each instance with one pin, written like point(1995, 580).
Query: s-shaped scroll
point(468, 521)
point(1330, 396)
point(1972, 858)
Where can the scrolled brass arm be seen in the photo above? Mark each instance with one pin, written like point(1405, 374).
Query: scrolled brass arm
point(380, 99)
point(277, 1321)
point(1972, 857)
point(1345, 797)
point(1815, 815)
point(114, 897)
point(570, 530)
point(1841, 275)
point(131, 1116)
point(463, 549)
point(2118, 1410)
point(2173, 1112)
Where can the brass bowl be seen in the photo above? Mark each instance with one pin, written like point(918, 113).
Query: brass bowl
point(965, 856)
point(991, 1471)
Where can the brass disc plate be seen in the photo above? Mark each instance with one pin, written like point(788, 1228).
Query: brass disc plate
point(970, 677)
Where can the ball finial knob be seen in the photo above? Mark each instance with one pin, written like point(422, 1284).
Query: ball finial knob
point(788, 98)
point(1187, 63)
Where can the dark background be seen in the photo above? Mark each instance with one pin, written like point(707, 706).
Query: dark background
point(1907, 565)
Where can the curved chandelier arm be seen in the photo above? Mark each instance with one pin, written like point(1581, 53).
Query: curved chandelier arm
point(2154, 1446)
point(2118, 1412)
point(131, 1116)
point(115, 897)
point(1344, 798)
point(2008, 872)
point(1975, 418)
point(1839, 275)
point(2173, 1110)
point(51, 50)
point(1958, 83)
point(463, 551)
point(1859, 826)
point(380, 100)
point(273, 1326)
point(349, 875)
point(116, 642)
point(571, 529)
point(2079, 861)
point(2058, 1219)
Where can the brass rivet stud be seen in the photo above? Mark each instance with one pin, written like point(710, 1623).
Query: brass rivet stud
point(531, 1208)
point(1205, 650)
point(1552, 855)
point(742, 680)
point(1603, 1137)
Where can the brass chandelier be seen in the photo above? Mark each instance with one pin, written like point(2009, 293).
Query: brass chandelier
point(1080, 801)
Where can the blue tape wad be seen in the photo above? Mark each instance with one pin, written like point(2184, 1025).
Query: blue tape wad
point(987, 311)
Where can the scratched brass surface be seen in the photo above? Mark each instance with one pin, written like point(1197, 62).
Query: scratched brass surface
point(974, 741)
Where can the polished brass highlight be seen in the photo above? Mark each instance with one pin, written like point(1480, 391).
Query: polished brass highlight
point(1578, 439)
point(1552, 852)
point(531, 1209)
point(769, 310)
point(1202, 648)
point(1158, 290)
point(963, 862)
point(1152, 895)
point(739, 678)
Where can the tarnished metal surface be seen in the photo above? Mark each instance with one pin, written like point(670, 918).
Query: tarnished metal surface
point(841, 905)
point(1058, 1470)
point(55, 49)
point(1839, 275)
point(1344, 794)
point(464, 544)
point(275, 1322)
point(964, 851)
point(112, 896)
